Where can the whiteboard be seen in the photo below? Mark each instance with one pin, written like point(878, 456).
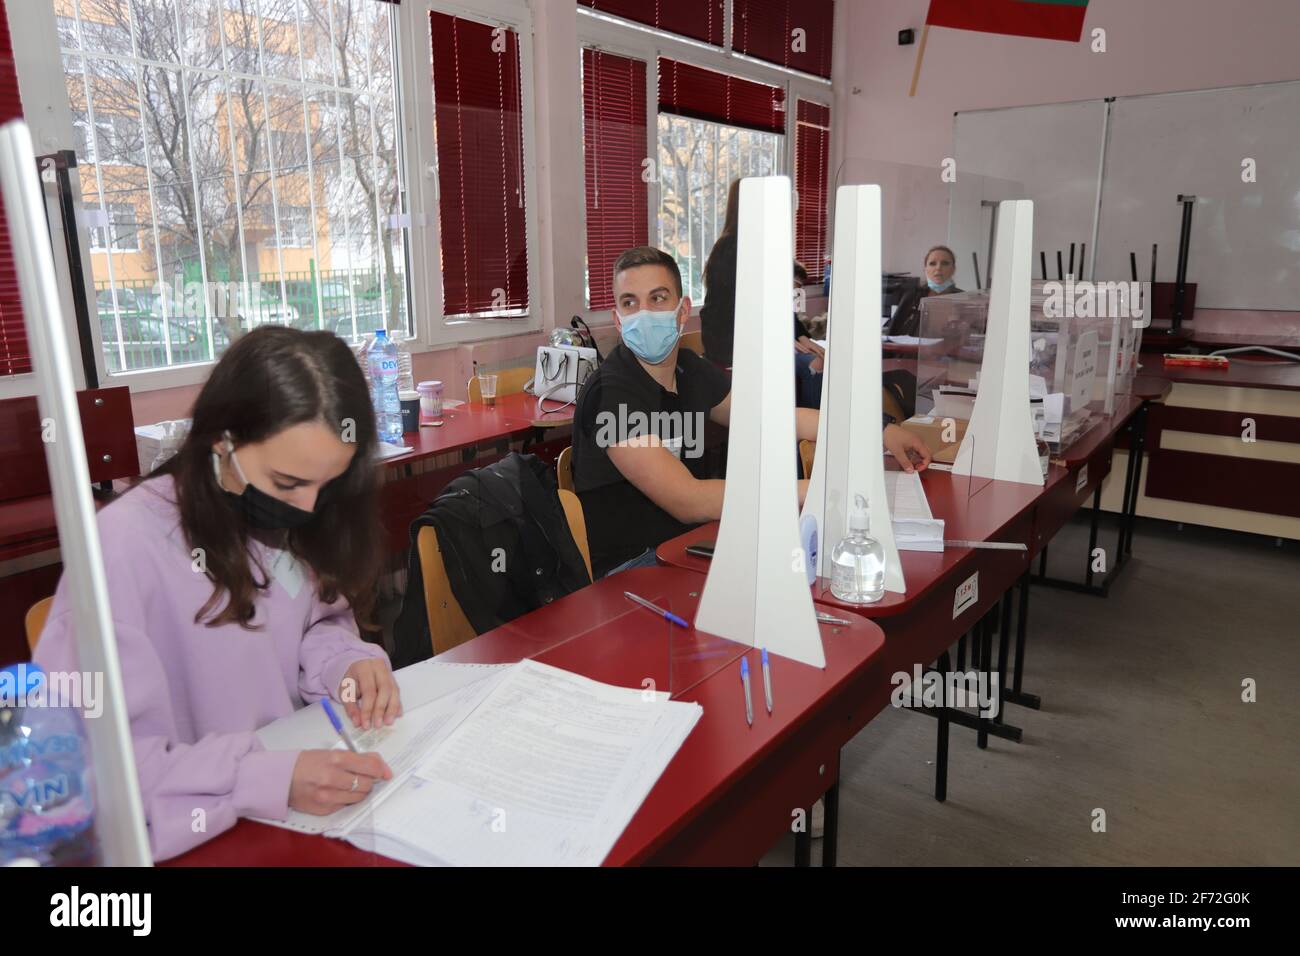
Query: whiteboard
point(1051, 154)
point(1245, 244)
point(914, 212)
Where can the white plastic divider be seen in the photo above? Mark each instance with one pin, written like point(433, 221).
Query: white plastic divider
point(756, 592)
point(119, 813)
point(849, 461)
point(999, 443)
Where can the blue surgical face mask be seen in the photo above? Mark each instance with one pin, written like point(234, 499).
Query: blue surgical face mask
point(651, 335)
point(936, 287)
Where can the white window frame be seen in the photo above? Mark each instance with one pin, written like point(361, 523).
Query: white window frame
point(612, 34)
point(432, 327)
point(43, 89)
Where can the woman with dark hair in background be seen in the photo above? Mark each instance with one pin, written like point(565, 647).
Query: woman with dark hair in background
point(940, 264)
point(718, 314)
point(237, 574)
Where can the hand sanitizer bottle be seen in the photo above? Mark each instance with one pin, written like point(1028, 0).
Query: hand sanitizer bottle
point(858, 561)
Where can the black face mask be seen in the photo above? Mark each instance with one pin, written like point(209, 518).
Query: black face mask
point(260, 509)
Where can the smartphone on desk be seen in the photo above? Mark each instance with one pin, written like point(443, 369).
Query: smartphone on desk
point(701, 549)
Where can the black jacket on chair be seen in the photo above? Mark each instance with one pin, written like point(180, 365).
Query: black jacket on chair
point(506, 545)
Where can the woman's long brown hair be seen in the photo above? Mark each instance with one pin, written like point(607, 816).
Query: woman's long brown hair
point(271, 379)
point(729, 224)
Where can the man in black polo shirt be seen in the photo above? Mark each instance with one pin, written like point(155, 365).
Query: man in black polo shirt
point(638, 436)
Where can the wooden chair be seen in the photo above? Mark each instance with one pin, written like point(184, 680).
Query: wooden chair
point(509, 382)
point(564, 470)
point(577, 523)
point(35, 620)
point(448, 625)
point(807, 449)
point(693, 341)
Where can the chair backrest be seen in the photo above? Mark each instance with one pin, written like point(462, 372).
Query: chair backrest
point(577, 523)
point(564, 470)
point(509, 381)
point(448, 625)
point(35, 620)
point(807, 450)
point(693, 341)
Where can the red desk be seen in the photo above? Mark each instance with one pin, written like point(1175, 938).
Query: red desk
point(920, 625)
point(728, 794)
point(470, 430)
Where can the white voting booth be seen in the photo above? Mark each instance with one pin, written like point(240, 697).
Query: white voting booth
point(999, 442)
point(119, 813)
point(756, 592)
point(849, 434)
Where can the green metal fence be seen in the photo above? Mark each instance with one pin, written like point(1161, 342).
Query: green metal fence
point(132, 327)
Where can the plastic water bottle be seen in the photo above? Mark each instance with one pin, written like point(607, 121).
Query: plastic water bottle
point(47, 803)
point(405, 376)
point(858, 561)
point(383, 362)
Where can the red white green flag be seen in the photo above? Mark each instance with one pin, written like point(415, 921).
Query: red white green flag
point(1045, 19)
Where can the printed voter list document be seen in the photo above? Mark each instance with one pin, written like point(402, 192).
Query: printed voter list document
point(435, 698)
point(547, 771)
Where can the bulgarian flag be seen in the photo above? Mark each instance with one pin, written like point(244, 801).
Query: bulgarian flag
point(1045, 19)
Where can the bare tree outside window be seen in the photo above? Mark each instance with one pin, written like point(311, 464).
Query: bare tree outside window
point(256, 141)
point(697, 162)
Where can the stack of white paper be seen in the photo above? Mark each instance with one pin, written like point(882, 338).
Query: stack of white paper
point(517, 765)
point(435, 697)
point(915, 527)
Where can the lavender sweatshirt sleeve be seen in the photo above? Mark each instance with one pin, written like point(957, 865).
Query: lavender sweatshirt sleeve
point(331, 645)
point(190, 791)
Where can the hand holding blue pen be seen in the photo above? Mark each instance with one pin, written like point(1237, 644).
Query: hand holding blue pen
point(338, 725)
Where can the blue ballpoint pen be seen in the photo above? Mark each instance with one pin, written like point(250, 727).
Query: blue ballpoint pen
point(666, 615)
point(338, 725)
point(767, 681)
point(744, 679)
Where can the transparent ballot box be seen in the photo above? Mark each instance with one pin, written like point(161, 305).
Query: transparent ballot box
point(1078, 363)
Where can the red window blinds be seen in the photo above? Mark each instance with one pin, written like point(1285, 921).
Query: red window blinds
point(697, 19)
point(478, 115)
point(704, 94)
point(766, 29)
point(812, 149)
point(614, 144)
point(14, 358)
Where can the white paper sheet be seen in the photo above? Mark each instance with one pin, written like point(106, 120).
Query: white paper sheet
point(915, 527)
point(548, 770)
point(434, 699)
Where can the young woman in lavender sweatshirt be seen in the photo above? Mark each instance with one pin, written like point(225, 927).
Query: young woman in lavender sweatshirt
point(234, 574)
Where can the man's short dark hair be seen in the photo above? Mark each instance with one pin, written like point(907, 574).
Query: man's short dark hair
point(648, 256)
point(800, 272)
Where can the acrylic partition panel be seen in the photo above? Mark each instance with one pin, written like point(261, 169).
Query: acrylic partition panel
point(849, 456)
point(1001, 426)
point(756, 592)
point(120, 824)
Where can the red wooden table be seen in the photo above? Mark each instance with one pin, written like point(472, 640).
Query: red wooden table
point(920, 625)
point(731, 790)
point(479, 433)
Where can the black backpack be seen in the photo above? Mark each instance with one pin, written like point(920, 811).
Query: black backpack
point(506, 545)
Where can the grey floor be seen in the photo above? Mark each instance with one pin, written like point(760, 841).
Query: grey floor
point(1142, 717)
